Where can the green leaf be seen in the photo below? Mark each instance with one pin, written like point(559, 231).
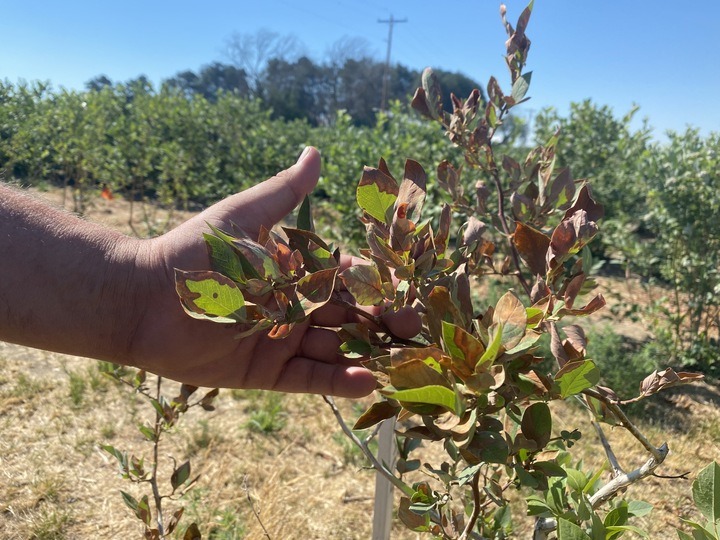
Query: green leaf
point(364, 283)
point(626, 528)
point(616, 517)
point(376, 193)
point(537, 424)
point(706, 492)
point(569, 531)
point(574, 377)
point(224, 259)
point(491, 353)
point(304, 219)
point(180, 475)
point(210, 294)
point(432, 395)
point(576, 480)
point(520, 87)
point(129, 500)
point(639, 508)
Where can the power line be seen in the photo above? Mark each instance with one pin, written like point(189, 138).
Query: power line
point(386, 76)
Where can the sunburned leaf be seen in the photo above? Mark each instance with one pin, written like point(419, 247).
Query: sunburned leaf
point(415, 374)
point(464, 348)
point(412, 190)
point(259, 257)
point(574, 377)
point(537, 424)
point(532, 245)
point(364, 283)
point(314, 290)
point(377, 412)
point(562, 190)
point(210, 295)
point(315, 252)
point(433, 93)
point(376, 193)
point(511, 314)
point(431, 395)
point(666, 378)
point(584, 201)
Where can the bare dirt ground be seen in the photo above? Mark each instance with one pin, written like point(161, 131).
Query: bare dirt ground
point(282, 456)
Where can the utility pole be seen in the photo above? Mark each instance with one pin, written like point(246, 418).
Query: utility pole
point(386, 76)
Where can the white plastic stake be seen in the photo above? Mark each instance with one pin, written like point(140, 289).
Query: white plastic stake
point(382, 512)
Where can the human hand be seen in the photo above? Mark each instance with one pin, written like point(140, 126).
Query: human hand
point(168, 342)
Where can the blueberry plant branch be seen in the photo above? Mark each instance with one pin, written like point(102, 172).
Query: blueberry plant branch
point(471, 379)
point(166, 415)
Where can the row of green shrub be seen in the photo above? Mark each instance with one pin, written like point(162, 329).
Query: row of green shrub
point(662, 199)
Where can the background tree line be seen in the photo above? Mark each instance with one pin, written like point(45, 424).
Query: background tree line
point(201, 136)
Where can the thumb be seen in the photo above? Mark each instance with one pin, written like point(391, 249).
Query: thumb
point(265, 204)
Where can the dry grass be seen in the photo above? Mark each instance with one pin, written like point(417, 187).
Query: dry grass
point(278, 455)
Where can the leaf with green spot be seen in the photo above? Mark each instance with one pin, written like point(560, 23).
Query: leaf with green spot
point(511, 314)
point(210, 295)
point(364, 283)
point(464, 348)
point(376, 193)
point(574, 377)
point(430, 395)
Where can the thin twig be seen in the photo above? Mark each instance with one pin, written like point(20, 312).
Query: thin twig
point(627, 424)
point(616, 484)
point(476, 506)
point(616, 468)
point(380, 467)
point(153, 476)
point(246, 489)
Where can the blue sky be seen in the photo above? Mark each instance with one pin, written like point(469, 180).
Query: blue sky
point(658, 54)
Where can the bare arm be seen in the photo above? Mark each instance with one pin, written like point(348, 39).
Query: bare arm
point(71, 286)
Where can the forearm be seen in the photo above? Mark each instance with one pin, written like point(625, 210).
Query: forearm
point(66, 285)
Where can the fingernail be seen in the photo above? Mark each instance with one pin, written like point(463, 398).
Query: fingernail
point(304, 154)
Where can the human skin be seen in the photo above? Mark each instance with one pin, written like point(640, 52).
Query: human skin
point(76, 287)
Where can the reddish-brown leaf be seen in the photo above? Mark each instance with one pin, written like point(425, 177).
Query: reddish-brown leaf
point(532, 245)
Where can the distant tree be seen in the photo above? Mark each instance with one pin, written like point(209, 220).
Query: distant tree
point(212, 78)
point(98, 83)
point(252, 52)
point(296, 90)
